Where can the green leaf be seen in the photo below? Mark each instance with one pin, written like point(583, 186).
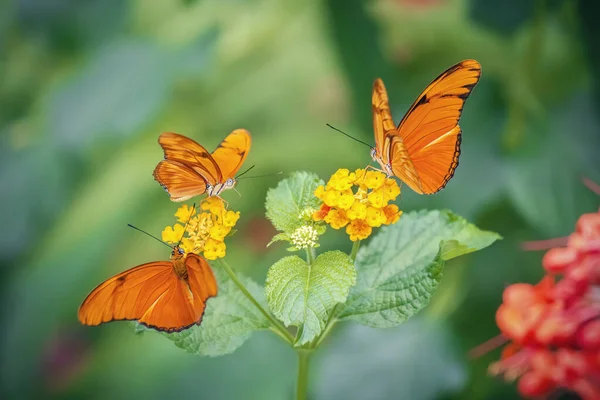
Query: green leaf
point(290, 198)
point(229, 320)
point(280, 237)
point(399, 270)
point(303, 295)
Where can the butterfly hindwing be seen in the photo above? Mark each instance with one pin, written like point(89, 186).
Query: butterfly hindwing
point(179, 180)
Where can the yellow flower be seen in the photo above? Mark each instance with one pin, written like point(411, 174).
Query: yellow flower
point(374, 179)
point(213, 204)
point(331, 197)
point(358, 176)
point(340, 180)
point(391, 213)
point(218, 232)
point(214, 249)
point(391, 190)
point(187, 245)
point(320, 192)
point(357, 211)
point(358, 230)
point(375, 217)
point(230, 218)
point(345, 199)
point(337, 218)
point(205, 232)
point(376, 198)
point(321, 213)
point(358, 201)
point(184, 213)
point(172, 234)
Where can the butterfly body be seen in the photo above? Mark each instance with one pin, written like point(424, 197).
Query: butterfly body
point(168, 296)
point(188, 169)
point(424, 148)
point(216, 190)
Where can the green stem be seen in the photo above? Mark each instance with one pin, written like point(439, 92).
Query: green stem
point(276, 326)
point(302, 381)
point(310, 255)
point(354, 252)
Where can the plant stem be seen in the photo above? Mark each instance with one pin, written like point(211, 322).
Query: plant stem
point(354, 252)
point(310, 255)
point(276, 326)
point(302, 382)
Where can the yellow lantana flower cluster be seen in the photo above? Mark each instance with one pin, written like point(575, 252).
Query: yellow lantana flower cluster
point(358, 201)
point(205, 231)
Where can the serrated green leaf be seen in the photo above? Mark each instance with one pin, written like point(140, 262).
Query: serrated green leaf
point(303, 295)
point(280, 237)
point(400, 269)
point(229, 320)
point(292, 195)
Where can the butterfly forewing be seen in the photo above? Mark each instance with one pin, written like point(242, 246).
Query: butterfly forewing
point(232, 152)
point(383, 123)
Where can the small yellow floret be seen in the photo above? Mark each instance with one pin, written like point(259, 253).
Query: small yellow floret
point(337, 218)
point(214, 249)
point(172, 234)
point(184, 213)
point(218, 232)
point(358, 230)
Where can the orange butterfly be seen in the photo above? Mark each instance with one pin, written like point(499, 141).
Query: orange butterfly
point(168, 296)
point(423, 150)
point(189, 169)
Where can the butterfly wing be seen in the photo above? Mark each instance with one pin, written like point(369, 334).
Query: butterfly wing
point(425, 149)
point(383, 123)
point(232, 152)
point(152, 294)
point(179, 180)
point(201, 279)
point(186, 151)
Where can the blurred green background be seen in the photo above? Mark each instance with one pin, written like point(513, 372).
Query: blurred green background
point(86, 87)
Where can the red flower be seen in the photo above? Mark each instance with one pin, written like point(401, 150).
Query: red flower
point(554, 326)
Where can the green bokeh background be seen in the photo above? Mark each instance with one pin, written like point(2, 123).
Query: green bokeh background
point(86, 87)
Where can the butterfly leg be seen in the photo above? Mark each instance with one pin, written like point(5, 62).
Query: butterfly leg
point(375, 169)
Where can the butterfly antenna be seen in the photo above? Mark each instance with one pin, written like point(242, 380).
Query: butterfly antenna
point(152, 236)
point(186, 224)
point(262, 176)
point(237, 177)
point(351, 137)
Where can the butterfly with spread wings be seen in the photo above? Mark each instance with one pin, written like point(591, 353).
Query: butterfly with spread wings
point(189, 169)
point(423, 150)
point(167, 296)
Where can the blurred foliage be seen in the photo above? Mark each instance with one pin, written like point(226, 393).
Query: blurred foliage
point(87, 86)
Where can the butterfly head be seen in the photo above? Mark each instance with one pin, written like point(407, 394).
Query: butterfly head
point(374, 154)
point(229, 183)
point(177, 252)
